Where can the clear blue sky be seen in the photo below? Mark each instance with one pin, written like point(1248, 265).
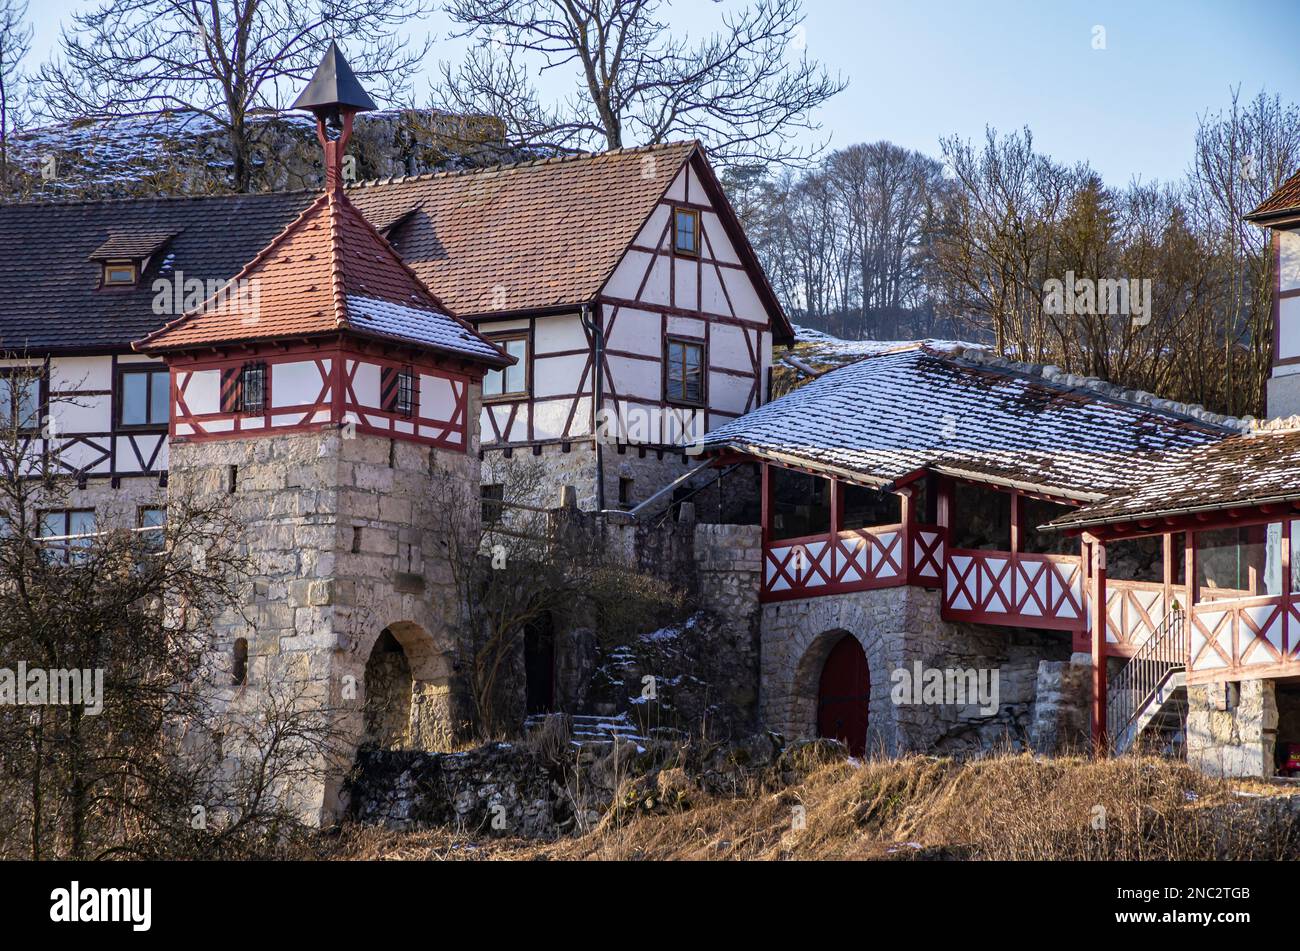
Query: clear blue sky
point(922, 69)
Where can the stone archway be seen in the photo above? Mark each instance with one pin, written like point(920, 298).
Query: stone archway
point(844, 695)
point(407, 691)
point(387, 711)
point(807, 686)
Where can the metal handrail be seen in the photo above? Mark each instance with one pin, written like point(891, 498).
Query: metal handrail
point(1133, 689)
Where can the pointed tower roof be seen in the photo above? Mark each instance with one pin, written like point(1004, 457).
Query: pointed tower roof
point(329, 271)
point(334, 86)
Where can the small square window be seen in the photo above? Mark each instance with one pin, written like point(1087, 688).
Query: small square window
point(252, 389)
point(684, 375)
point(63, 523)
point(120, 273)
point(686, 231)
point(153, 518)
point(405, 404)
point(511, 380)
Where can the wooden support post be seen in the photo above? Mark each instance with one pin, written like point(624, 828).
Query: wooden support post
point(907, 507)
point(1099, 682)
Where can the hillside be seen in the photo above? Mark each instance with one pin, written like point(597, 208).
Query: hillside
point(1007, 807)
point(186, 152)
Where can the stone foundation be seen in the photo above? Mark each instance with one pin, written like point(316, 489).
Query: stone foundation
point(1062, 707)
point(346, 542)
point(898, 627)
point(1232, 728)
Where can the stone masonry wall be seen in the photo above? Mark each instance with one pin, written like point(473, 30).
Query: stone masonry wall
point(1235, 736)
point(649, 470)
point(896, 628)
point(347, 541)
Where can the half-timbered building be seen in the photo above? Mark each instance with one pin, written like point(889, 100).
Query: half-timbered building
point(630, 261)
point(902, 502)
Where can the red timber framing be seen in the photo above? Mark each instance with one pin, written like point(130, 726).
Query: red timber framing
point(718, 298)
point(1232, 634)
point(313, 385)
point(1011, 588)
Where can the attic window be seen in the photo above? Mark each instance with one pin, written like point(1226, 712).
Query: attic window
point(686, 231)
point(120, 273)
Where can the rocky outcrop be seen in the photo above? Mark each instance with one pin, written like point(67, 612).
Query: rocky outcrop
point(187, 153)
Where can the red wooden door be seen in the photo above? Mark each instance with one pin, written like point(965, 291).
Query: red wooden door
point(843, 694)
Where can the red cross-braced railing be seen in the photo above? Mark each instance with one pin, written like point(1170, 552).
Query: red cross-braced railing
point(1020, 590)
point(854, 560)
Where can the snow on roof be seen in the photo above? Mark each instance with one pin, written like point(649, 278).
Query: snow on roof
point(1255, 468)
point(383, 317)
point(970, 414)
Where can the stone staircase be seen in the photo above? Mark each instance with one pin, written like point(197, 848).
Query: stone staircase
point(1147, 698)
point(1160, 725)
point(594, 730)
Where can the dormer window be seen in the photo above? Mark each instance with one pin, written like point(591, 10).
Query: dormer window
point(121, 273)
point(125, 255)
point(686, 231)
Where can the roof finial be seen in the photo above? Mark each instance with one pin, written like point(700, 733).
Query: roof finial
point(334, 95)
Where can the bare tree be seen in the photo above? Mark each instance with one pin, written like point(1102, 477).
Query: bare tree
point(222, 59)
point(15, 42)
point(745, 91)
point(147, 757)
point(1242, 155)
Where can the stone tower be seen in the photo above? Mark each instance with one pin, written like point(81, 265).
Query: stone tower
point(328, 397)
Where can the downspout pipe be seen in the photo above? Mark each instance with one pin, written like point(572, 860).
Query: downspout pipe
point(593, 326)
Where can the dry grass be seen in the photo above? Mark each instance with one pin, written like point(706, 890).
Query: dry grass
point(1004, 807)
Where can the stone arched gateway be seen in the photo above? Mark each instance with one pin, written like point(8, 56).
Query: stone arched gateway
point(406, 691)
point(797, 638)
point(823, 673)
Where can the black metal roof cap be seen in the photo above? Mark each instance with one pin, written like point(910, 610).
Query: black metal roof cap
point(334, 86)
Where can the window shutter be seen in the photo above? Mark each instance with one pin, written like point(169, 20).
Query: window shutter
point(230, 389)
point(387, 389)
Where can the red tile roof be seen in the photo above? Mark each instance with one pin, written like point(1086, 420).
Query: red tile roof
point(1286, 199)
point(535, 235)
point(328, 262)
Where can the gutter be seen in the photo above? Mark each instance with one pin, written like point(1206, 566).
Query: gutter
point(598, 393)
point(1167, 513)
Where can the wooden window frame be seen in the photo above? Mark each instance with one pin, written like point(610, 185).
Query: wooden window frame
point(63, 554)
point(123, 370)
point(501, 339)
point(120, 265)
point(704, 371)
point(695, 217)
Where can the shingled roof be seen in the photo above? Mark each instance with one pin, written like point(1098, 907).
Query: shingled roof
point(50, 298)
point(1282, 203)
point(970, 415)
point(536, 235)
point(1256, 468)
point(328, 271)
